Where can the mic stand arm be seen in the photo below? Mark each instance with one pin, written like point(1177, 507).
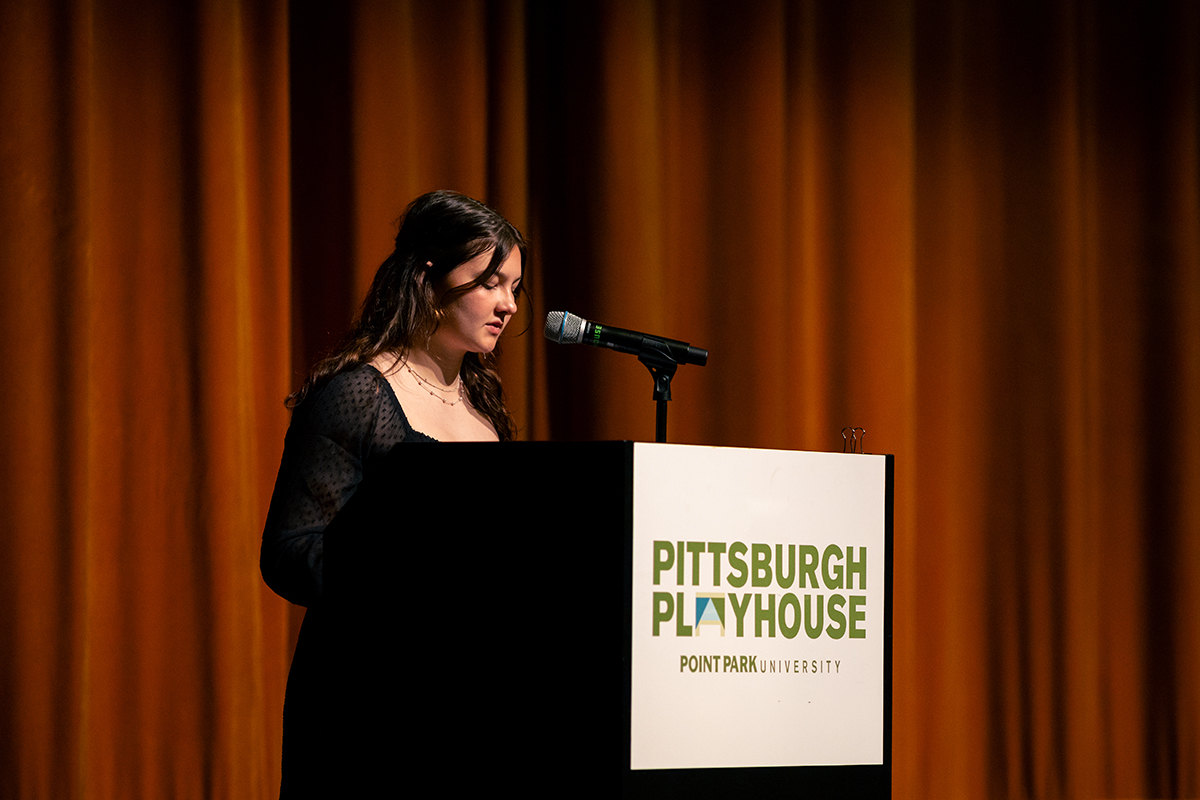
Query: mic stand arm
point(662, 368)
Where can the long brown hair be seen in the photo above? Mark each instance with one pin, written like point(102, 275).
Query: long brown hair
point(439, 231)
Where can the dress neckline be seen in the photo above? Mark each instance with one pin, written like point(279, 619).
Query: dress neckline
point(392, 393)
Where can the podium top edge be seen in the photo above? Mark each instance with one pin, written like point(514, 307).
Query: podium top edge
point(629, 443)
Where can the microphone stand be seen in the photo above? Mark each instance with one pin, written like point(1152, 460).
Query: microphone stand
point(662, 368)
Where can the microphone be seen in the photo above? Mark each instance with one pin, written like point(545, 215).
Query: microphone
point(566, 328)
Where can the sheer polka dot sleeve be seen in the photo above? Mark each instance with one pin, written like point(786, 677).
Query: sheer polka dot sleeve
point(336, 434)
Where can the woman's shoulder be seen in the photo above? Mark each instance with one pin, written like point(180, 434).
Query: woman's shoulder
point(345, 405)
point(362, 381)
point(357, 387)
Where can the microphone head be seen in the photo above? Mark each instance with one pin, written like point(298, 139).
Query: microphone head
point(564, 327)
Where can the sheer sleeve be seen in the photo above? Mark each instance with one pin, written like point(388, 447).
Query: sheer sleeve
point(335, 434)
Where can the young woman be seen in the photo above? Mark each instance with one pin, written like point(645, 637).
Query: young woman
point(416, 367)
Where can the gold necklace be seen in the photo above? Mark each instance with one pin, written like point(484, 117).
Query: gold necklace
point(431, 386)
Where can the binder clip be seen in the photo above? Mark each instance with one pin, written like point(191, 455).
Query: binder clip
point(853, 440)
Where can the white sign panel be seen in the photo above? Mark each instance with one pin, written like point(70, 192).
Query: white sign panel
point(758, 608)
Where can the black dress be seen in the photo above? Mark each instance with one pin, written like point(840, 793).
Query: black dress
point(336, 441)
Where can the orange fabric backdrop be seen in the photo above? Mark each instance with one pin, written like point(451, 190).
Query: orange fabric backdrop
point(971, 227)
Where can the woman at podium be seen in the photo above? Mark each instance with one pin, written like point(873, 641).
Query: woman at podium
point(417, 366)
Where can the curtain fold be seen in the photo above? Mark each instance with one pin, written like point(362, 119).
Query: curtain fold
point(971, 228)
point(146, 270)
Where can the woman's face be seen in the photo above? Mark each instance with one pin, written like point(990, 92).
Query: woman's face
point(473, 322)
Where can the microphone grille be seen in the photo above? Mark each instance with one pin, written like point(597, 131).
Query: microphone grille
point(564, 327)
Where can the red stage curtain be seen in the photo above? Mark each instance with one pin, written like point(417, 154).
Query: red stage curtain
point(972, 228)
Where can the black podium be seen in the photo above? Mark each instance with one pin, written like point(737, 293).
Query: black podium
point(504, 614)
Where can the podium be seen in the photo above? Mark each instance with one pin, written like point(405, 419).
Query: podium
point(616, 619)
